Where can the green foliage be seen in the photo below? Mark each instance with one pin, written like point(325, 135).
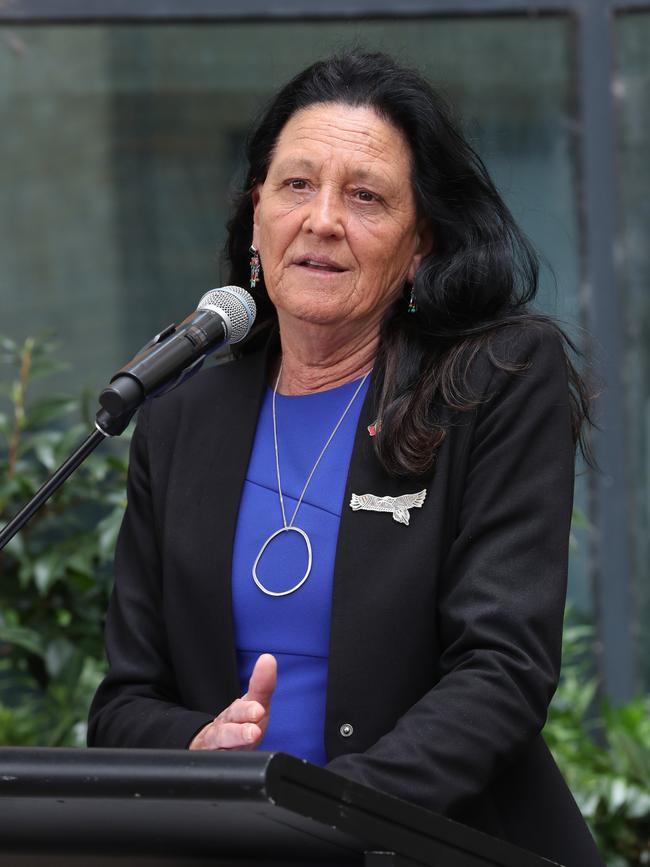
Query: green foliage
point(604, 754)
point(55, 574)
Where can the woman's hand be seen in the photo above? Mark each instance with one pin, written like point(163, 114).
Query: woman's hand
point(241, 726)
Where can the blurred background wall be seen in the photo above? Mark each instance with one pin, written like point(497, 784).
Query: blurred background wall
point(121, 128)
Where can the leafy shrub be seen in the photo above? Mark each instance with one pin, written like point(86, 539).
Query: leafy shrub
point(55, 574)
point(604, 754)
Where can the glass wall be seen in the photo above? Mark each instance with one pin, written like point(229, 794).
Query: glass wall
point(121, 146)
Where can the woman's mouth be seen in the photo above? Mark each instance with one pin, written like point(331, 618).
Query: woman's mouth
point(321, 265)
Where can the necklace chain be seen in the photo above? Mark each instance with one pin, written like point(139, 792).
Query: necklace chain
point(318, 459)
point(289, 526)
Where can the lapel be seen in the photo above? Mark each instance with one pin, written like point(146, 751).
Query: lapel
point(359, 568)
point(221, 446)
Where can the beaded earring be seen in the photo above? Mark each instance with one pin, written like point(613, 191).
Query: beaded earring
point(255, 266)
point(413, 307)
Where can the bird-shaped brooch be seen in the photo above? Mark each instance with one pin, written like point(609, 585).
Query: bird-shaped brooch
point(399, 506)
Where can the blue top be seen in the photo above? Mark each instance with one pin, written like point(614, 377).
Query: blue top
point(294, 628)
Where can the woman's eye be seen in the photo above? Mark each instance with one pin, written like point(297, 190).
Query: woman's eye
point(366, 196)
point(298, 184)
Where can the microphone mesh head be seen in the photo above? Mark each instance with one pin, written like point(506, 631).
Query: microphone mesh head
point(235, 305)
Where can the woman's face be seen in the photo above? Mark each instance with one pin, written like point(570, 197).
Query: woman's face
point(335, 220)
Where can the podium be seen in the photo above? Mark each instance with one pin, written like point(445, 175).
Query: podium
point(175, 808)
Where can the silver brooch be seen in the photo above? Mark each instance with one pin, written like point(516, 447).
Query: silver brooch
point(399, 506)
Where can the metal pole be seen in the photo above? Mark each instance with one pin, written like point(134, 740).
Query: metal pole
point(45, 492)
point(603, 306)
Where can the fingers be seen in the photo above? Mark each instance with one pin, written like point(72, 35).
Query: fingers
point(243, 723)
point(227, 736)
point(263, 680)
point(243, 711)
point(230, 736)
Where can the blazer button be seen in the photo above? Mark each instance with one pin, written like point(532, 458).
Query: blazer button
point(346, 730)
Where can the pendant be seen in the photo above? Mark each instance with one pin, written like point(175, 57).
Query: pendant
point(263, 549)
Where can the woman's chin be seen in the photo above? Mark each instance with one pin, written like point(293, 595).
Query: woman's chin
point(321, 316)
point(314, 305)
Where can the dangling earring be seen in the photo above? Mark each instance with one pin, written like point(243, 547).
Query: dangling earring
point(413, 307)
point(255, 266)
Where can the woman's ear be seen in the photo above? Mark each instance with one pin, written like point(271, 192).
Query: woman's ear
point(424, 245)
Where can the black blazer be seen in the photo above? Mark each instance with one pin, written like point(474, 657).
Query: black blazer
point(445, 634)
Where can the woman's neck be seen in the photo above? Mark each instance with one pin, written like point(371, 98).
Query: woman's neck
point(315, 359)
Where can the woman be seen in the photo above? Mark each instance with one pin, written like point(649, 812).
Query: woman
point(378, 491)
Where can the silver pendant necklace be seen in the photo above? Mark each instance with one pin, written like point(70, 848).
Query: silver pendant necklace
point(289, 526)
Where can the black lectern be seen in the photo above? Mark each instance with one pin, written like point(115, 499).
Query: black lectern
point(149, 808)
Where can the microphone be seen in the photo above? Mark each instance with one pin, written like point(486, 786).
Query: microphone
point(223, 315)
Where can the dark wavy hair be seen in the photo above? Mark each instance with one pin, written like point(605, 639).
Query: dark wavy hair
point(480, 277)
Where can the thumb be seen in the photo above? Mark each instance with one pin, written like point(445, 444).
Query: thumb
point(263, 680)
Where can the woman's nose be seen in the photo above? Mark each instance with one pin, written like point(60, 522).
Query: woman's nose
point(325, 216)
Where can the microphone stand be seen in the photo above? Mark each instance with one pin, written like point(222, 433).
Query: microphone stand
point(119, 402)
point(106, 425)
